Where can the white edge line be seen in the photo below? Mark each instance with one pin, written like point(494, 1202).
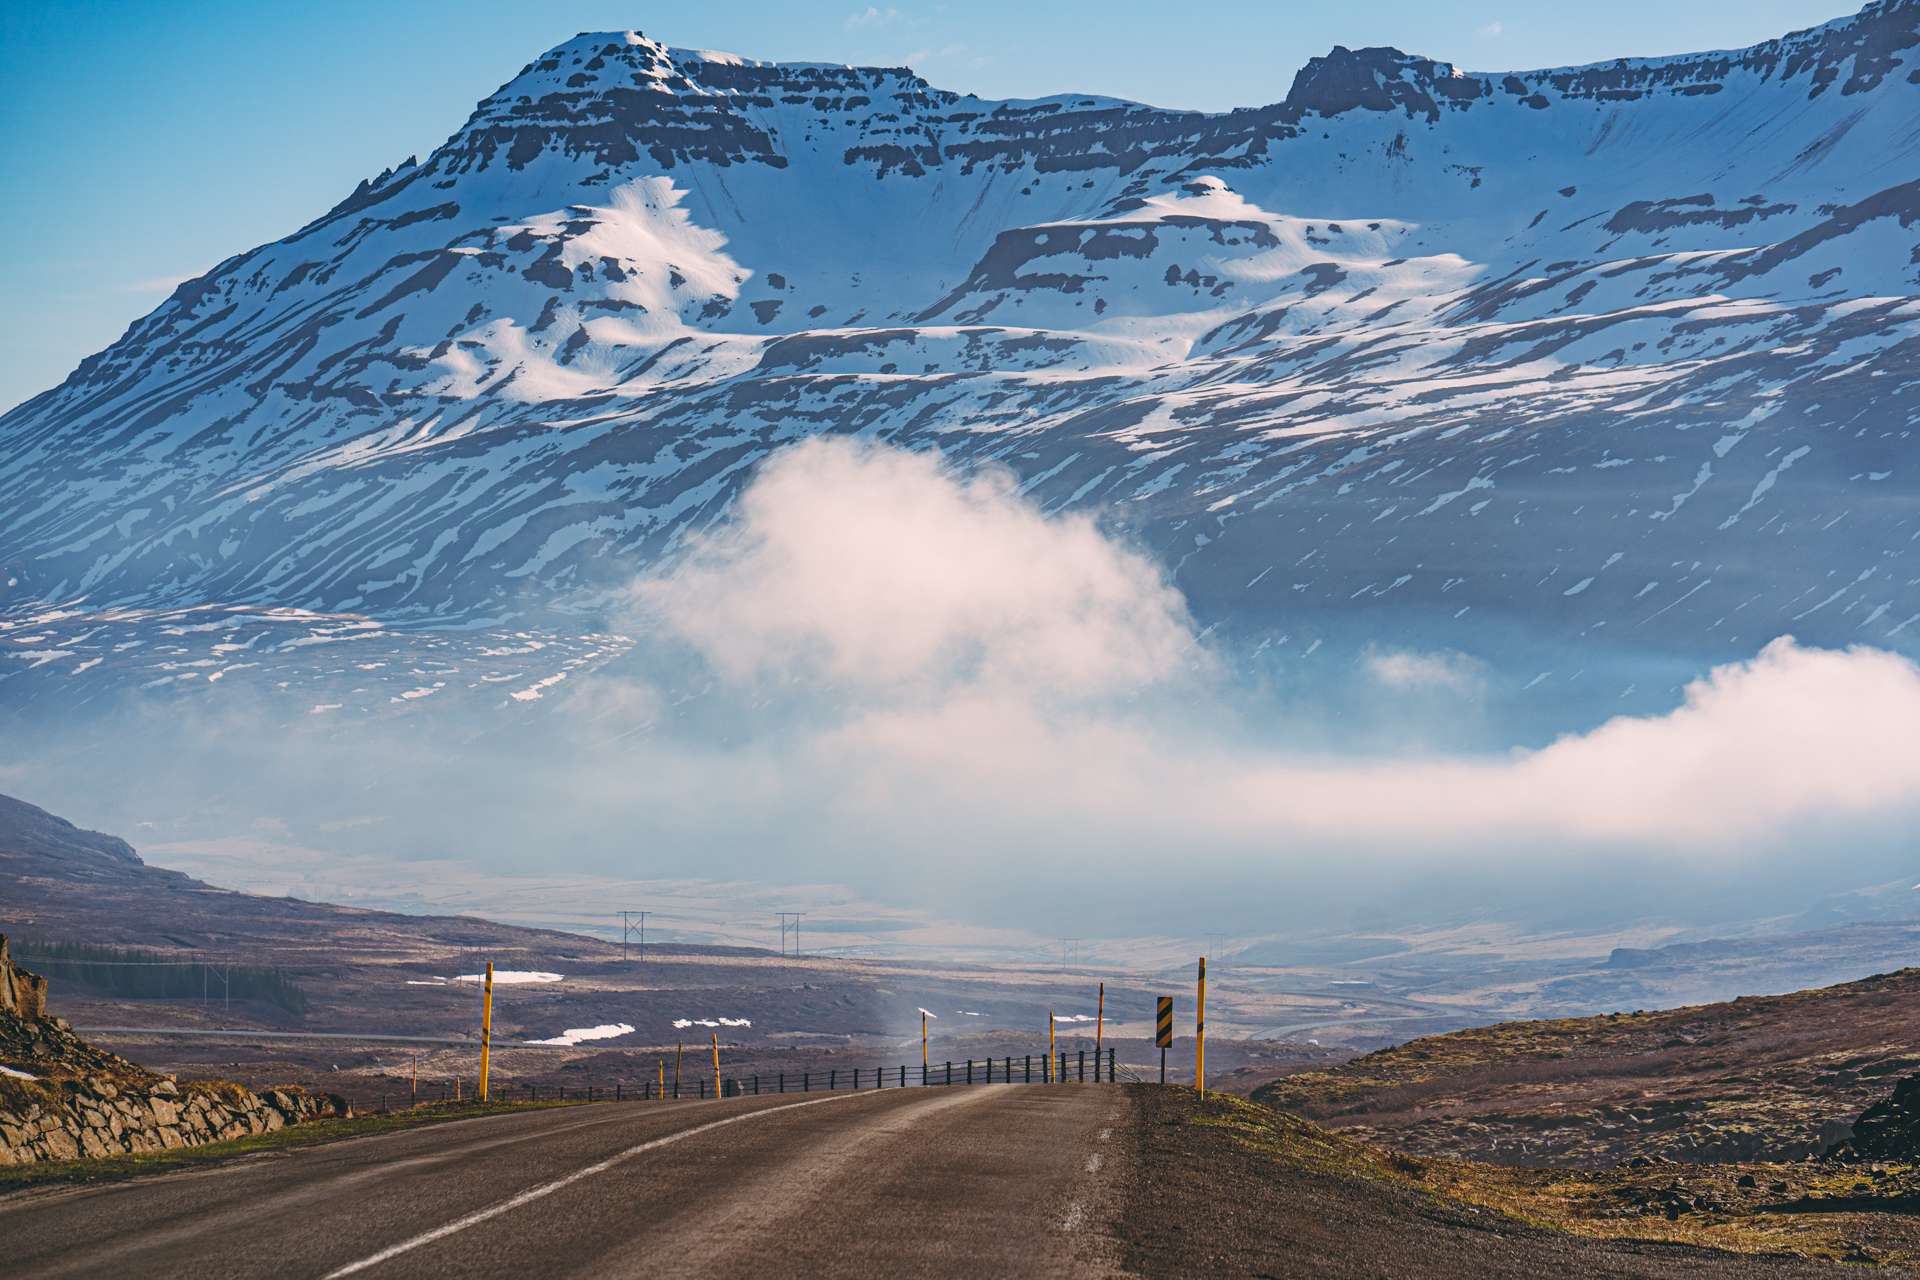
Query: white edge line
point(547, 1189)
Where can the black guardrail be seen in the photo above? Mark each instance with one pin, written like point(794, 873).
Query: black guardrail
point(1066, 1067)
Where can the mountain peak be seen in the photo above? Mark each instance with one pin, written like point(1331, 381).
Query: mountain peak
point(1380, 79)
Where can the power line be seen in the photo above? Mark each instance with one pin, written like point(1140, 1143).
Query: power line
point(790, 924)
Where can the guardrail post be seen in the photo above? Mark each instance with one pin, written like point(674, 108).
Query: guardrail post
point(833, 1079)
point(1083, 1067)
point(1110, 1067)
point(969, 1070)
point(806, 1082)
point(949, 1071)
point(783, 1082)
point(1029, 1068)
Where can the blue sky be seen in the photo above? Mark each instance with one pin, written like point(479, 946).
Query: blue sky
point(144, 143)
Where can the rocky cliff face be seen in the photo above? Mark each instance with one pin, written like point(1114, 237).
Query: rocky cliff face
point(1488, 361)
point(22, 994)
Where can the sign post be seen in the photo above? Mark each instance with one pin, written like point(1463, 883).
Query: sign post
point(486, 1032)
point(1200, 1034)
point(1163, 1031)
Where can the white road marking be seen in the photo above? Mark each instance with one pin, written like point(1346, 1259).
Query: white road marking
point(547, 1189)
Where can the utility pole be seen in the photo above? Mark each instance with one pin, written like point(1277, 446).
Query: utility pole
point(790, 923)
point(226, 981)
point(1070, 944)
point(1214, 944)
point(627, 926)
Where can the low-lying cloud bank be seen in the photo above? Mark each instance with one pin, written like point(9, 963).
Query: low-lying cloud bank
point(887, 674)
point(933, 664)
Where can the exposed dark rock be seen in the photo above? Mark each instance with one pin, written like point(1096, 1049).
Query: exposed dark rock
point(1887, 1130)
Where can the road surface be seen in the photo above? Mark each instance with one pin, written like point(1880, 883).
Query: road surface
point(988, 1181)
point(1079, 1180)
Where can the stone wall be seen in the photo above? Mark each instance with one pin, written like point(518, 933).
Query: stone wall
point(94, 1116)
point(62, 1098)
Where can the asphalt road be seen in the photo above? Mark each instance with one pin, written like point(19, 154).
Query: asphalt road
point(988, 1181)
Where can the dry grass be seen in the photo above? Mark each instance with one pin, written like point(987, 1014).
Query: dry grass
point(1821, 1214)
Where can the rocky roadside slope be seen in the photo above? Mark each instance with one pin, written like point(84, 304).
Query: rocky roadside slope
point(61, 1098)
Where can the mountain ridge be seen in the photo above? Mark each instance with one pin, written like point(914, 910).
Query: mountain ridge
point(490, 388)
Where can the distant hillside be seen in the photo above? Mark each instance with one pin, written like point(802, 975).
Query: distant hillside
point(60, 883)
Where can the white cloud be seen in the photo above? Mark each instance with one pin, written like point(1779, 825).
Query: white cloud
point(885, 574)
point(1491, 29)
point(973, 664)
point(872, 18)
point(1793, 734)
point(1407, 669)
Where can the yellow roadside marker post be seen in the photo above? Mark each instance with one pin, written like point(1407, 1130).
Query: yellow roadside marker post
point(486, 1032)
point(716, 1064)
point(1050, 1079)
point(678, 1052)
point(923, 1046)
point(1099, 1031)
point(1200, 1034)
point(663, 1078)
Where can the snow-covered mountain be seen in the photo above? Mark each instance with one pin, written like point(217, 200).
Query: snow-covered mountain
point(1617, 358)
